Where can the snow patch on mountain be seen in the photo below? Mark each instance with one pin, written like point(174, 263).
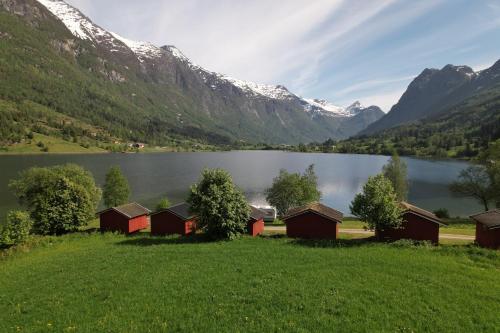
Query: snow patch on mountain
point(141, 49)
point(269, 91)
point(74, 20)
point(327, 106)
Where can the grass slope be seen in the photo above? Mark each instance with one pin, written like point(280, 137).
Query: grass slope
point(114, 283)
point(52, 144)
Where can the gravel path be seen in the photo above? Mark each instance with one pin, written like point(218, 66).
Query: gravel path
point(367, 232)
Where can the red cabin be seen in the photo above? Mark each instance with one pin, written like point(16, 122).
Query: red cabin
point(128, 218)
point(418, 224)
point(255, 224)
point(174, 220)
point(488, 228)
point(315, 221)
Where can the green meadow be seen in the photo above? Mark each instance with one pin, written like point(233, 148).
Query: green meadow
point(92, 282)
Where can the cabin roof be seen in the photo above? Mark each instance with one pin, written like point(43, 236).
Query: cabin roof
point(182, 210)
point(318, 208)
point(422, 213)
point(130, 210)
point(256, 214)
point(490, 219)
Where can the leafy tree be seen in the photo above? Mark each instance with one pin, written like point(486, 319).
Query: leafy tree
point(116, 189)
point(60, 199)
point(378, 205)
point(221, 208)
point(476, 182)
point(493, 169)
point(397, 172)
point(16, 229)
point(164, 203)
point(291, 190)
point(442, 213)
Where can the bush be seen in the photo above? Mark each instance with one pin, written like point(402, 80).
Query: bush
point(163, 204)
point(377, 205)
point(222, 209)
point(442, 213)
point(291, 190)
point(16, 229)
point(60, 199)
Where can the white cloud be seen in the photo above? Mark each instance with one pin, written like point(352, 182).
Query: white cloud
point(370, 84)
point(385, 100)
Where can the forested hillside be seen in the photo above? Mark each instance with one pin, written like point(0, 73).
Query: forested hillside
point(466, 130)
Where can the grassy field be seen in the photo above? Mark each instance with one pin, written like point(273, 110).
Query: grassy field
point(113, 283)
point(53, 144)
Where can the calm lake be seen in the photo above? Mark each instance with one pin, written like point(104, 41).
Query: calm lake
point(152, 176)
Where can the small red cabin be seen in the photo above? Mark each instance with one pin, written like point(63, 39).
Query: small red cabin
point(255, 224)
point(174, 220)
point(315, 221)
point(128, 218)
point(418, 224)
point(488, 228)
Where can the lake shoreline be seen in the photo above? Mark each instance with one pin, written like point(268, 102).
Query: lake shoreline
point(159, 151)
point(155, 175)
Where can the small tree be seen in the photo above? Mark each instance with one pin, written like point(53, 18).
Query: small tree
point(378, 205)
point(221, 208)
point(493, 169)
point(60, 199)
point(476, 182)
point(291, 190)
point(442, 213)
point(16, 228)
point(164, 203)
point(397, 172)
point(116, 189)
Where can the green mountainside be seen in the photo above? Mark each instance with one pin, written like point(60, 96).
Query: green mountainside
point(469, 129)
point(98, 90)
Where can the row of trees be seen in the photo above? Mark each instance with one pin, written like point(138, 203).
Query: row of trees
point(62, 199)
point(58, 200)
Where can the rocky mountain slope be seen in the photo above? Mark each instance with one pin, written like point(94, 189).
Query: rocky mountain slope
point(55, 58)
point(435, 92)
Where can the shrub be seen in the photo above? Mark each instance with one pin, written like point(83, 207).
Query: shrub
point(222, 209)
point(291, 190)
point(16, 229)
point(60, 199)
point(377, 205)
point(442, 213)
point(164, 203)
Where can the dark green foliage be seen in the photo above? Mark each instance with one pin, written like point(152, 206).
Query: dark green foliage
point(477, 182)
point(397, 172)
point(291, 190)
point(221, 208)
point(16, 229)
point(116, 189)
point(164, 203)
point(464, 131)
point(60, 199)
point(378, 205)
point(442, 213)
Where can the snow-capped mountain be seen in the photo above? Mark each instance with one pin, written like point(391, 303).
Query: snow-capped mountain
point(84, 28)
point(186, 97)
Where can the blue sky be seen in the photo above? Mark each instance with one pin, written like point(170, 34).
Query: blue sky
point(341, 51)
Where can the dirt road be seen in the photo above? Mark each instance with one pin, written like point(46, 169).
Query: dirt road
point(370, 233)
